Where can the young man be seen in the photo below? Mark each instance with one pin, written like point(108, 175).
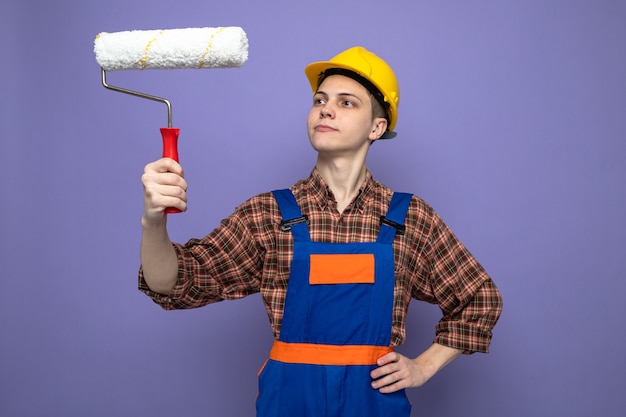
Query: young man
point(337, 259)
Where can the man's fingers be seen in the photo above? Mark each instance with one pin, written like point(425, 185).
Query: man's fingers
point(164, 186)
point(165, 165)
point(393, 373)
point(388, 358)
point(390, 382)
point(165, 171)
point(163, 178)
point(385, 365)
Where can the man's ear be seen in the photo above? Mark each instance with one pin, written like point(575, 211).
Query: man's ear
point(379, 127)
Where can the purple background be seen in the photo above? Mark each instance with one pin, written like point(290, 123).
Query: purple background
point(512, 125)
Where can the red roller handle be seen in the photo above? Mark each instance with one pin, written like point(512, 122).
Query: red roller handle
point(170, 150)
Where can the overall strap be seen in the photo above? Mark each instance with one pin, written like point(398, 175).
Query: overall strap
point(393, 222)
point(292, 216)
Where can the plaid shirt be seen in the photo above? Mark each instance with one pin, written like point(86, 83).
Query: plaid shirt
point(248, 253)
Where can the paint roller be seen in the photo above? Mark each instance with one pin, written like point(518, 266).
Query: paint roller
point(195, 48)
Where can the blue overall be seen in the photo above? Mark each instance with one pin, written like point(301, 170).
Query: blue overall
point(329, 318)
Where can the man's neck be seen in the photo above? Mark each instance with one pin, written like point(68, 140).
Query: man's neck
point(343, 177)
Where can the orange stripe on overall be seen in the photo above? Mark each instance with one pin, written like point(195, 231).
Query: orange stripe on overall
point(318, 354)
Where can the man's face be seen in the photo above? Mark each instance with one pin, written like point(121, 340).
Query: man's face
point(341, 120)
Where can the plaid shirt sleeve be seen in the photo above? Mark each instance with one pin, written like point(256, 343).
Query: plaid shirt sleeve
point(470, 302)
point(224, 265)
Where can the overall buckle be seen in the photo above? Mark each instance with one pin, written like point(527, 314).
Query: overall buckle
point(399, 227)
point(285, 226)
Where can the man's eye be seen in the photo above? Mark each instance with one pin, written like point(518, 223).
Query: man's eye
point(348, 103)
point(319, 101)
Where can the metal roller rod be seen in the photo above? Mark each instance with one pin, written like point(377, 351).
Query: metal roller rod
point(138, 94)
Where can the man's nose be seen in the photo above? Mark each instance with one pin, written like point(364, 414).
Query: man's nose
point(327, 110)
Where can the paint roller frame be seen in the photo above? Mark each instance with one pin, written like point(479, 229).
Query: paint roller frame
point(138, 94)
point(170, 134)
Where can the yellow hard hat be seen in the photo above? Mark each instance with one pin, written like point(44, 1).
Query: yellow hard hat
point(369, 69)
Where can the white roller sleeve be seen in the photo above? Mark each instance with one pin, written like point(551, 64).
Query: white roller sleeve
point(223, 47)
